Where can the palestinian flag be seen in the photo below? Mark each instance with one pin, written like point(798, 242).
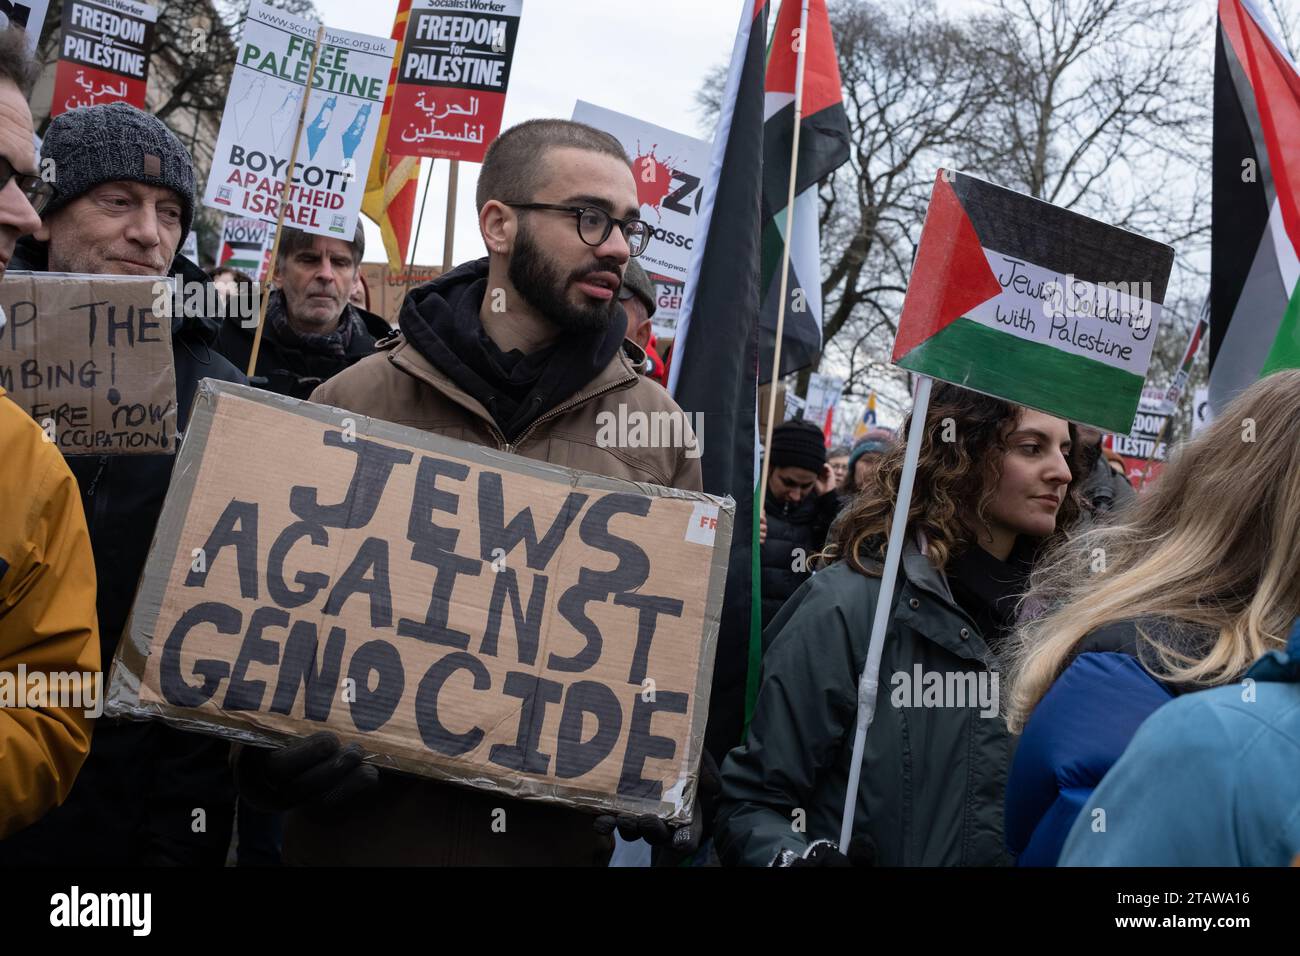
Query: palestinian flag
point(246, 246)
point(389, 198)
point(823, 146)
point(714, 369)
point(1255, 211)
point(1017, 298)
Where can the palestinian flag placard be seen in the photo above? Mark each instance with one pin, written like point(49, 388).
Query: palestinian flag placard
point(1026, 301)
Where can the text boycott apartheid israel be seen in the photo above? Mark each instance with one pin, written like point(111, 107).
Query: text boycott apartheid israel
point(345, 90)
point(463, 613)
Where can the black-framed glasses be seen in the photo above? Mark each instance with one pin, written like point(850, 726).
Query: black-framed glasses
point(38, 191)
point(595, 225)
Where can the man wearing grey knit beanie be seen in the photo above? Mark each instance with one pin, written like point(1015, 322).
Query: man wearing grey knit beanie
point(123, 203)
point(124, 198)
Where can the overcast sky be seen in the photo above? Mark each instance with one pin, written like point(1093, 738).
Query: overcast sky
point(642, 57)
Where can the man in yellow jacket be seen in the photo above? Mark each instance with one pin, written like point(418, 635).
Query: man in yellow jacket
point(47, 623)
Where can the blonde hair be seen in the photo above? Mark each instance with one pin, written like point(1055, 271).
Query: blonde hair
point(1214, 544)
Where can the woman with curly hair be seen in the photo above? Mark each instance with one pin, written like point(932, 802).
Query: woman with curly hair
point(992, 484)
point(1200, 577)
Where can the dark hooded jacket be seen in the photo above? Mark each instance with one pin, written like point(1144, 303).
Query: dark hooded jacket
point(134, 799)
point(934, 769)
point(293, 364)
point(795, 533)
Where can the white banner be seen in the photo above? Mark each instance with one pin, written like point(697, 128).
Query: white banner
point(261, 116)
point(1201, 415)
point(1114, 326)
point(668, 168)
point(28, 14)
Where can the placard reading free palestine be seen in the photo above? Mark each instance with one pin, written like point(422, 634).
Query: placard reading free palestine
point(261, 118)
point(1026, 301)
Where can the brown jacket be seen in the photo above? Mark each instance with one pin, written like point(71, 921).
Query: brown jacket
point(414, 821)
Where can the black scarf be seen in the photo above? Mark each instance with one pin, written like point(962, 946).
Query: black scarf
point(441, 320)
point(335, 343)
point(988, 589)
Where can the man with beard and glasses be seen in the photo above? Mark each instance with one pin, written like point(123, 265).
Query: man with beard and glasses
point(519, 351)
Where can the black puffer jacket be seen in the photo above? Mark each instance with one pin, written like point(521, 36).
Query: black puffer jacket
point(135, 798)
point(795, 533)
point(286, 367)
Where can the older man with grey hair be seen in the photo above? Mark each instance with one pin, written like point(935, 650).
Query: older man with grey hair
point(122, 205)
point(312, 332)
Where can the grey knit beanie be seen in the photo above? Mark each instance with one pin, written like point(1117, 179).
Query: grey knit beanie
point(101, 144)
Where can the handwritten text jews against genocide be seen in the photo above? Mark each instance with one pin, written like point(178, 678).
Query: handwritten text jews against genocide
point(483, 617)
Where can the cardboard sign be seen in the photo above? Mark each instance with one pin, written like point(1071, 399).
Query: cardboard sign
point(91, 361)
point(246, 245)
point(261, 117)
point(461, 613)
point(668, 168)
point(452, 79)
point(28, 14)
point(389, 288)
point(103, 54)
point(1025, 301)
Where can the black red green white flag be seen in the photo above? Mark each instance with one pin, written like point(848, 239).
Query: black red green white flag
point(1255, 211)
point(1017, 298)
point(823, 146)
point(714, 366)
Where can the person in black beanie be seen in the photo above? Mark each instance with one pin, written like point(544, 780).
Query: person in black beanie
point(801, 503)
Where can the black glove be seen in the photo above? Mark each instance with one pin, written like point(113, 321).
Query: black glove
point(862, 852)
point(316, 772)
point(681, 841)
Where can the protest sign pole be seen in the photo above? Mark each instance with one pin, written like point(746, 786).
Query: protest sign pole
point(1174, 397)
point(284, 200)
point(419, 221)
point(869, 682)
point(785, 253)
point(449, 234)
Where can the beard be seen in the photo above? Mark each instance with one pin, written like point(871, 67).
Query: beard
point(539, 281)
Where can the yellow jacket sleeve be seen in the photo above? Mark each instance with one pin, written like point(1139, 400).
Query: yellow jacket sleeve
point(48, 623)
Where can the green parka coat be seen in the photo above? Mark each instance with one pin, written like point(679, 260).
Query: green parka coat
point(937, 753)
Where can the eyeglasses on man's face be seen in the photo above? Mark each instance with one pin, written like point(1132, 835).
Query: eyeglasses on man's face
point(595, 225)
point(38, 191)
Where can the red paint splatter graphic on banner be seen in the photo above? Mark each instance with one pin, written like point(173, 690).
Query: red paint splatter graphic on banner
point(654, 178)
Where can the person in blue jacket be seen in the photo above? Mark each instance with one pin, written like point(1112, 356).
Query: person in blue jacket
point(1196, 581)
point(1211, 779)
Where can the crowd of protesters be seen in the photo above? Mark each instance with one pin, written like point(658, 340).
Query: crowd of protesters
point(1114, 646)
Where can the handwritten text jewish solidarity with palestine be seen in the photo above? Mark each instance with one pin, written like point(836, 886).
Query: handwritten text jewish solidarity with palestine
point(1071, 308)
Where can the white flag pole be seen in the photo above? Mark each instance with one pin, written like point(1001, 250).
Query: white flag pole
point(785, 254)
point(869, 682)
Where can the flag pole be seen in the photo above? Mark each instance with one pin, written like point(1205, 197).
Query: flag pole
point(419, 221)
point(449, 231)
point(785, 255)
point(869, 682)
point(284, 199)
point(1174, 396)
